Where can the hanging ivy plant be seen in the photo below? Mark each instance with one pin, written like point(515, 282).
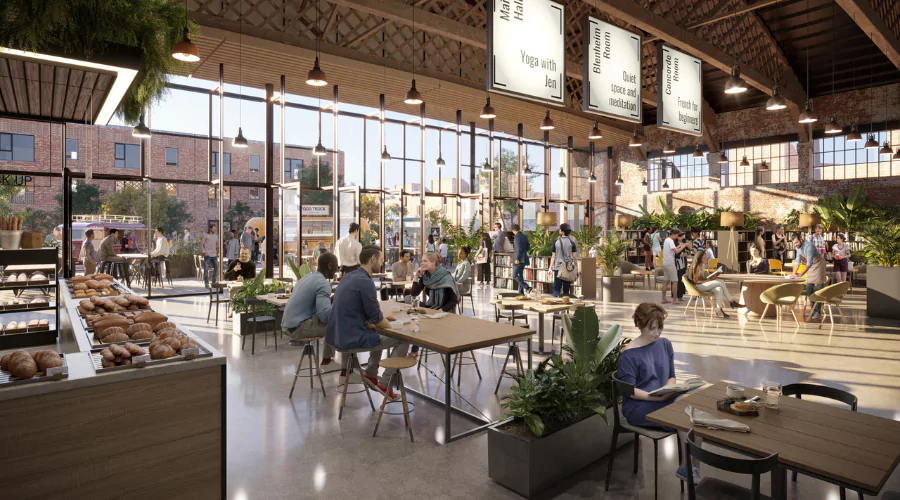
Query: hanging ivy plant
point(90, 27)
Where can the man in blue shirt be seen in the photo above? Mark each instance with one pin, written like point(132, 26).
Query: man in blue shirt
point(308, 310)
point(356, 313)
point(521, 245)
point(814, 269)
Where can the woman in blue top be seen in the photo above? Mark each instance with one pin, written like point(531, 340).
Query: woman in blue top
point(563, 252)
point(648, 363)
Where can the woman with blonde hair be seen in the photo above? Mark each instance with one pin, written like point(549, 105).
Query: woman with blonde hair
point(707, 285)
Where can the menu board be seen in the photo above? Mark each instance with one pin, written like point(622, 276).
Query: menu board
point(611, 70)
point(526, 49)
point(680, 91)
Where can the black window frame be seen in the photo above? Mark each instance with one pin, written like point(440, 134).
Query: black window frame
point(289, 165)
point(69, 150)
point(11, 147)
point(166, 157)
point(252, 157)
point(124, 157)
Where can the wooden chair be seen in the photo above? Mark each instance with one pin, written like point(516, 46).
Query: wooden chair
point(396, 364)
point(462, 296)
point(254, 320)
point(716, 489)
point(621, 426)
point(822, 391)
point(786, 294)
point(698, 296)
point(459, 361)
point(831, 295)
point(351, 361)
point(775, 266)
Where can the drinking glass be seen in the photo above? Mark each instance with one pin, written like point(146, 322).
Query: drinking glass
point(772, 395)
point(414, 321)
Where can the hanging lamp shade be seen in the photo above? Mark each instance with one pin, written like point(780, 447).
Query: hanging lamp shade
point(635, 141)
point(546, 219)
point(776, 102)
point(440, 161)
point(763, 166)
point(185, 50)
point(595, 132)
point(732, 219)
point(141, 130)
point(241, 142)
point(486, 165)
point(319, 150)
point(885, 149)
point(669, 148)
point(665, 184)
point(697, 152)
point(593, 178)
point(807, 115)
point(413, 96)
point(385, 156)
point(527, 170)
point(316, 77)
point(896, 155)
point(562, 173)
point(624, 220)
point(810, 220)
point(735, 84)
point(871, 143)
point(832, 127)
point(723, 158)
point(644, 181)
point(547, 122)
point(619, 180)
point(854, 134)
point(744, 162)
point(488, 112)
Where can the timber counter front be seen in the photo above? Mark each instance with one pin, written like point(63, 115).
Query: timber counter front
point(153, 432)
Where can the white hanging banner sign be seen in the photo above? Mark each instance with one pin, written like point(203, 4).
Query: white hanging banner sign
point(526, 49)
point(611, 70)
point(679, 94)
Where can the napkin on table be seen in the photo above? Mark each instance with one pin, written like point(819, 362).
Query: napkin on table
point(703, 419)
point(436, 315)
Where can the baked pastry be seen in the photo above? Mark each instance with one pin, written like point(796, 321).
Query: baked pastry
point(4, 362)
point(172, 342)
point(115, 337)
point(142, 335)
point(102, 276)
point(87, 304)
point(134, 349)
point(138, 327)
point(79, 286)
point(47, 359)
point(22, 365)
point(161, 351)
point(122, 301)
point(92, 284)
point(165, 325)
point(151, 318)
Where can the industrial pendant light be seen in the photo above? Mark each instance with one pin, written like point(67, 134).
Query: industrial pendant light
point(140, 130)
point(723, 157)
point(527, 170)
point(669, 148)
point(440, 159)
point(635, 141)
point(763, 166)
point(832, 127)
point(666, 183)
point(319, 150)
point(595, 132)
point(562, 173)
point(240, 141)
point(413, 96)
point(871, 143)
point(744, 162)
point(776, 102)
point(807, 115)
point(644, 181)
point(885, 149)
point(593, 178)
point(619, 180)
point(698, 153)
point(385, 156)
point(854, 135)
point(488, 112)
point(547, 122)
point(896, 155)
point(735, 84)
point(185, 50)
point(316, 77)
point(486, 165)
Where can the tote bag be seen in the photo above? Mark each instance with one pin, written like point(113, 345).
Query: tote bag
point(568, 270)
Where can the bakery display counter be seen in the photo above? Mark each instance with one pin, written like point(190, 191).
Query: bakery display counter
point(148, 393)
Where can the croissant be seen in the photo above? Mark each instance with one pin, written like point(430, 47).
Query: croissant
point(47, 359)
point(165, 325)
point(115, 337)
point(22, 365)
point(172, 342)
point(162, 352)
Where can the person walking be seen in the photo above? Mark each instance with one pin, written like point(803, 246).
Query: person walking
point(564, 253)
point(647, 247)
point(209, 248)
point(814, 268)
point(521, 245)
point(88, 253)
point(841, 253)
point(670, 271)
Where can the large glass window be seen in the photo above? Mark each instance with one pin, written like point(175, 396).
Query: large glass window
point(836, 158)
point(215, 163)
point(16, 147)
point(678, 172)
point(26, 195)
point(71, 149)
point(292, 168)
point(171, 157)
point(769, 164)
point(128, 156)
point(213, 194)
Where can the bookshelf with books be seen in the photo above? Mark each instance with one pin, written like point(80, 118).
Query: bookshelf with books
point(635, 253)
point(538, 275)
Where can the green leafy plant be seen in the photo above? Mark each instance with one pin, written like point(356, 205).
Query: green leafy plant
point(702, 219)
point(562, 392)
point(468, 235)
point(849, 213)
point(612, 251)
point(541, 240)
point(252, 288)
point(299, 272)
point(882, 237)
point(586, 237)
point(791, 221)
point(828, 208)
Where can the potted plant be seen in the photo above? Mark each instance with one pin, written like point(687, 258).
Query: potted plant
point(586, 237)
point(610, 254)
point(557, 413)
point(882, 254)
point(252, 288)
point(180, 263)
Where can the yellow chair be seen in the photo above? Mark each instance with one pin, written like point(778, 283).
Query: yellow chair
point(712, 265)
point(831, 295)
point(659, 261)
point(782, 295)
point(775, 266)
point(694, 293)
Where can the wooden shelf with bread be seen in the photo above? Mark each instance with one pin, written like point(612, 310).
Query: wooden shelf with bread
point(28, 290)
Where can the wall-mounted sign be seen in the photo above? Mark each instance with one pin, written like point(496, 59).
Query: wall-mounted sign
point(316, 210)
point(611, 70)
point(526, 49)
point(15, 180)
point(679, 94)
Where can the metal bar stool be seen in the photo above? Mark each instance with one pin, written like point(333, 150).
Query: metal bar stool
point(397, 364)
point(216, 296)
point(460, 361)
point(312, 353)
point(353, 360)
point(253, 304)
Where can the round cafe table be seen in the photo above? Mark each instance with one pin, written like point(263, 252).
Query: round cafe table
point(752, 285)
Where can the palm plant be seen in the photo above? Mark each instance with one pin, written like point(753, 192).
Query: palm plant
point(465, 236)
point(611, 252)
point(882, 237)
point(541, 241)
point(586, 236)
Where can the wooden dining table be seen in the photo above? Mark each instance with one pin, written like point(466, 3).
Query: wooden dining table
point(752, 285)
point(447, 336)
point(851, 449)
point(536, 306)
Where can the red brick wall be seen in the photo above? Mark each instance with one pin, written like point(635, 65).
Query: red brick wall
point(772, 201)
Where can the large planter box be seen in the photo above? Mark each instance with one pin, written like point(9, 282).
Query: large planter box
point(883, 292)
point(180, 266)
point(613, 289)
point(529, 466)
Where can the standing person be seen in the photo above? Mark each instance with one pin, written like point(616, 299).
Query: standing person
point(52, 240)
point(656, 243)
point(305, 250)
point(564, 252)
point(247, 238)
point(108, 251)
point(779, 241)
point(761, 241)
point(499, 238)
point(681, 262)
point(261, 245)
point(188, 238)
point(670, 272)
point(356, 312)
point(429, 247)
point(841, 253)
point(443, 249)
point(308, 311)
point(698, 272)
point(348, 249)
point(233, 248)
point(818, 240)
point(255, 235)
point(521, 246)
point(320, 249)
point(483, 260)
point(699, 243)
point(209, 249)
point(88, 253)
point(814, 271)
point(647, 246)
point(708, 249)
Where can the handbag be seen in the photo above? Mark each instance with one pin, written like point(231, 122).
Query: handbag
point(482, 257)
point(568, 271)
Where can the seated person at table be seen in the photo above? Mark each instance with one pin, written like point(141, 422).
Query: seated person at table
point(400, 271)
point(355, 314)
point(308, 310)
point(241, 268)
point(463, 270)
point(698, 272)
point(439, 285)
point(757, 264)
point(648, 363)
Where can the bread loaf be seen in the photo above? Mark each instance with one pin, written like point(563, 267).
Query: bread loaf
point(151, 318)
point(47, 359)
point(22, 365)
point(115, 337)
point(109, 321)
point(165, 325)
point(162, 352)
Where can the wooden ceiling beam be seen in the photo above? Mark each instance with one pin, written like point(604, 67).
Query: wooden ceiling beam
point(873, 25)
point(715, 16)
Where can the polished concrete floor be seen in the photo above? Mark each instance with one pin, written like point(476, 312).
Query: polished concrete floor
point(297, 448)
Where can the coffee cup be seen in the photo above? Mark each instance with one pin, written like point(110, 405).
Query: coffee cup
point(734, 391)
